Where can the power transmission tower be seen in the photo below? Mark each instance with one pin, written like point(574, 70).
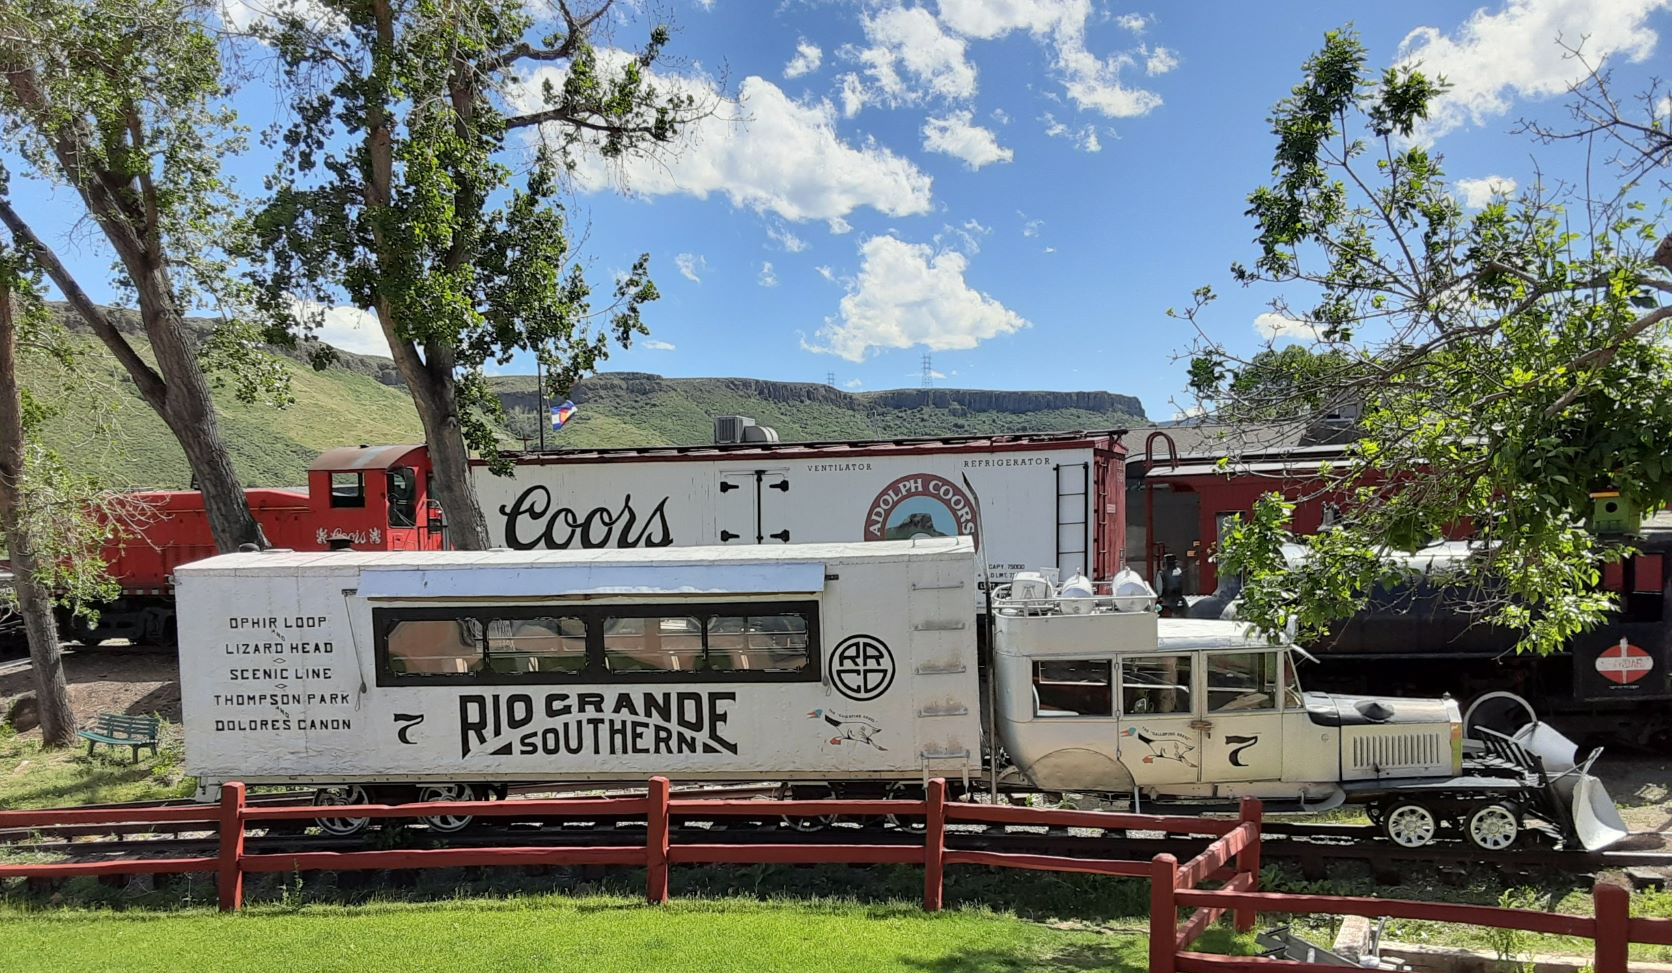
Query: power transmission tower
point(928, 371)
point(830, 379)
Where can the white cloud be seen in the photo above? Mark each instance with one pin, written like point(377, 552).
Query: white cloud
point(1271, 326)
point(966, 238)
point(957, 136)
point(1132, 22)
point(348, 328)
point(689, 264)
point(1084, 138)
point(657, 345)
point(1001, 116)
point(765, 152)
point(1049, 250)
point(1160, 60)
point(908, 295)
point(825, 272)
point(1479, 193)
point(1495, 57)
point(705, 4)
point(839, 226)
point(852, 95)
point(767, 277)
point(910, 57)
point(780, 234)
point(808, 57)
point(1030, 228)
point(1092, 82)
point(855, 383)
point(241, 15)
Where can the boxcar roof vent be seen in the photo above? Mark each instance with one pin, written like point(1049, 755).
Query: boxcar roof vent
point(741, 429)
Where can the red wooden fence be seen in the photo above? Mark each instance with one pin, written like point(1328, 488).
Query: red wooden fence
point(233, 816)
point(1233, 859)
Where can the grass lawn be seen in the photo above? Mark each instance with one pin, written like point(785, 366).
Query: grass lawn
point(586, 935)
point(34, 778)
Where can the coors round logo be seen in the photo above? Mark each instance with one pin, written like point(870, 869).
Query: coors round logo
point(920, 505)
point(534, 520)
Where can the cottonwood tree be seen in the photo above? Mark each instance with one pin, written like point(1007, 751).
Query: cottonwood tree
point(52, 522)
point(406, 186)
point(123, 101)
point(1507, 363)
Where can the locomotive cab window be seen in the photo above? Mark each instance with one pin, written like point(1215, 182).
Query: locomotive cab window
point(348, 489)
point(1155, 684)
point(403, 498)
point(1073, 687)
point(1241, 681)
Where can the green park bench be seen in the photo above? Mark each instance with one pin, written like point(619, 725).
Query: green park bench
point(116, 730)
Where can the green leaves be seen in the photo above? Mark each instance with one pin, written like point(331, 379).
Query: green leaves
point(1503, 366)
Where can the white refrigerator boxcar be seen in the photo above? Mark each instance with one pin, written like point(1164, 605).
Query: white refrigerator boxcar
point(1045, 499)
point(817, 662)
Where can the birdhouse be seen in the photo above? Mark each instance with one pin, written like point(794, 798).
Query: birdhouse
point(1614, 514)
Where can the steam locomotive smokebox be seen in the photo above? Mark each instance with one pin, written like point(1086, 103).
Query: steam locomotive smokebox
point(1614, 514)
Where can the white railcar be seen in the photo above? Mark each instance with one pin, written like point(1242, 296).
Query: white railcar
point(437, 675)
point(1045, 499)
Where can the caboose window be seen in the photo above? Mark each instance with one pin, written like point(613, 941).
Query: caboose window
point(537, 645)
point(667, 643)
point(1073, 688)
point(348, 490)
point(647, 643)
point(756, 643)
point(435, 647)
point(1155, 684)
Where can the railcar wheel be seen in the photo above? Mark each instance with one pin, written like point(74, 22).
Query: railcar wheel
point(1493, 827)
point(338, 797)
point(910, 823)
point(447, 823)
point(811, 792)
point(1409, 824)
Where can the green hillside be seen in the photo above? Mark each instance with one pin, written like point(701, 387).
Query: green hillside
point(640, 409)
point(360, 400)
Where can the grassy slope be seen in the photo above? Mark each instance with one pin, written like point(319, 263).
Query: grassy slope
point(32, 778)
point(594, 935)
point(271, 446)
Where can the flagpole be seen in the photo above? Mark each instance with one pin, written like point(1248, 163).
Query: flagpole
point(540, 392)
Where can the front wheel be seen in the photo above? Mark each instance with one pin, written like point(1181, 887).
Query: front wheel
point(1409, 824)
point(338, 797)
point(1493, 827)
point(447, 823)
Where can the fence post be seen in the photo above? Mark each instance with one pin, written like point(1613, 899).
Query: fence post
point(1164, 915)
point(1613, 910)
point(934, 845)
point(656, 843)
point(1248, 859)
point(229, 875)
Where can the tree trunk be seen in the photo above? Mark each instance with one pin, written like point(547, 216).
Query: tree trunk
point(467, 529)
point(52, 690)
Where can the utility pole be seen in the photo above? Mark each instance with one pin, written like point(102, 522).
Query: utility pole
point(540, 396)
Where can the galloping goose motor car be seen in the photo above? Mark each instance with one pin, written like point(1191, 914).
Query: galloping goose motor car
point(1096, 693)
point(430, 676)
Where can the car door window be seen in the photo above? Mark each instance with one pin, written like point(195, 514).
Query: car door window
point(1153, 685)
point(1241, 681)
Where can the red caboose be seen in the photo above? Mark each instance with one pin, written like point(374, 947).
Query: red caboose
point(368, 498)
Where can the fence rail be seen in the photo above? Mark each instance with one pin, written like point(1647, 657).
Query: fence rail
point(1231, 859)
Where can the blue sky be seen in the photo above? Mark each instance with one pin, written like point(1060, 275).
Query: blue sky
point(1021, 187)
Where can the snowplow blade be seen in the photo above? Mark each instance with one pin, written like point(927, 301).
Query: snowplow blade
point(1596, 821)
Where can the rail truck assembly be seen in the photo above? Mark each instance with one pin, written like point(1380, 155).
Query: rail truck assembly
point(847, 668)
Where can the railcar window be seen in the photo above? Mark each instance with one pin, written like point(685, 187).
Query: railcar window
point(751, 643)
point(537, 645)
point(657, 643)
point(348, 490)
point(435, 647)
point(1155, 684)
point(1073, 687)
point(1239, 681)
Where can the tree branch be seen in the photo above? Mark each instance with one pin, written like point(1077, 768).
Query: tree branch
point(151, 385)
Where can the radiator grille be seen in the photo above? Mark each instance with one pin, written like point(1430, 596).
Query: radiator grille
point(1398, 750)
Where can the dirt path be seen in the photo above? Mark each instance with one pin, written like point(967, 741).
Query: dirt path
point(113, 679)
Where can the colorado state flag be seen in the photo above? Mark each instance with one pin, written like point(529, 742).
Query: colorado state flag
point(561, 414)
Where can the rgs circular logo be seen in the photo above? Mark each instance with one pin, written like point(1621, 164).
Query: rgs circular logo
point(921, 505)
point(861, 667)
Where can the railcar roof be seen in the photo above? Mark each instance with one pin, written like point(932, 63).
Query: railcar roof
point(352, 561)
point(1003, 442)
point(1181, 634)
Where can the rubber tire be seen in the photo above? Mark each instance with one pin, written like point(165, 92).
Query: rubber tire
point(1396, 813)
point(1469, 825)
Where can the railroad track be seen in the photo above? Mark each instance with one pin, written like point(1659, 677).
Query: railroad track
point(1316, 848)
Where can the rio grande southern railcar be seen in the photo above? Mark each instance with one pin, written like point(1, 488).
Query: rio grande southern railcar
point(432, 676)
